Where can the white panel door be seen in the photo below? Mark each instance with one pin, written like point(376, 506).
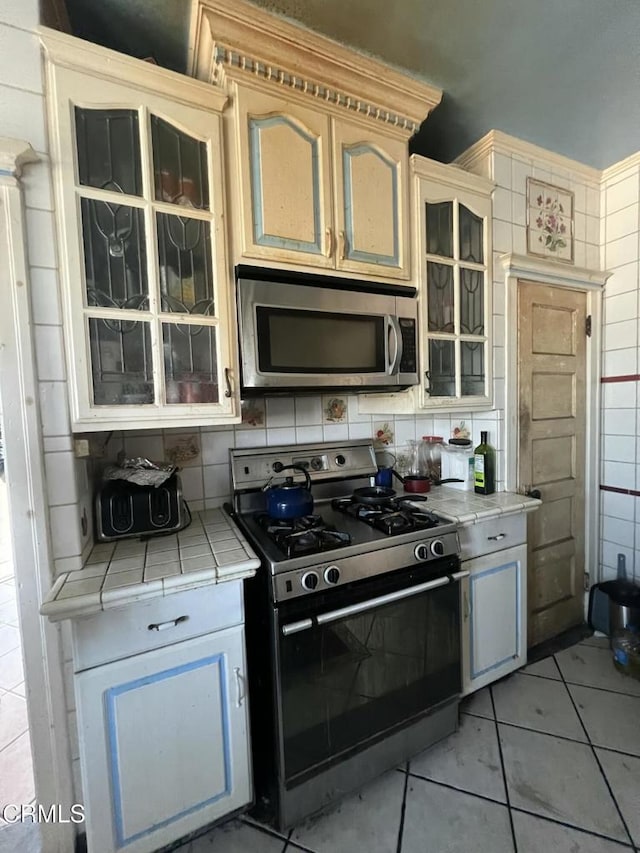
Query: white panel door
point(163, 742)
point(371, 198)
point(494, 617)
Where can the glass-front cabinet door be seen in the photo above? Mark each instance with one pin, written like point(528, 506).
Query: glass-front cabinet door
point(455, 282)
point(146, 285)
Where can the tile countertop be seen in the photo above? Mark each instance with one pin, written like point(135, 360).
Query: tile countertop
point(211, 550)
point(466, 507)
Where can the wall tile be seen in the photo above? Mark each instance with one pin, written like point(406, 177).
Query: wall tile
point(620, 308)
point(41, 243)
point(618, 506)
point(622, 279)
point(619, 395)
point(359, 430)
point(215, 446)
point(619, 474)
point(621, 335)
point(312, 434)
point(49, 353)
point(280, 412)
point(502, 204)
point(593, 201)
point(580, 226)
point(65, 531)
point(281, 435)
point(519, 206)
point(251, 438)
point(20, 51)
point(542, 173)
point(619, 448)
point(308, 411)
point(618, 532)
point(192, 484)
point(594, 257)
point(520, 171)
point(20, 14)
point(216, 481)
point(335, 432)
point(23, 116)
point(144, 445)
point(36, 183)
point(501, 166)
point(519, 239)
point(501, 236)
point(622, 251)
point(580, 253)
point(54, 408)
point(621, 223)
point(45, 299)
point(61, 478)
point(354, 415)
point(405, 431)
point(621, 194)
point(610, 551)
point(57, 443)
point(580, 199)
point(620, 362)
point(618, 422)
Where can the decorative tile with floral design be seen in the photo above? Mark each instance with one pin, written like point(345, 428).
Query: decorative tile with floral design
point(334, 409)
point(461, 430)
point(549, 221)
point(182, 449)
point(383, 435)
point(253, 413)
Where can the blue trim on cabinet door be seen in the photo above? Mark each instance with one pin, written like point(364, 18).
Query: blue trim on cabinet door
point(260, 237)
point(473, 579)
point(111, 696)
point(355, 254)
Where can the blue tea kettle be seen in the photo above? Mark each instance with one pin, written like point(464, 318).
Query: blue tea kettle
point(289, 500)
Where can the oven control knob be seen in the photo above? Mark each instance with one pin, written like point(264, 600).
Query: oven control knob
point(422, 552)
point(340, 460)
point(437, 548)
point(310, 580)
point(316, 463)
point(332, 575)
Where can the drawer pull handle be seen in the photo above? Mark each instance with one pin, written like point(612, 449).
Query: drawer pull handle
point(240, 692)
point(171, 623)
point(497, 537)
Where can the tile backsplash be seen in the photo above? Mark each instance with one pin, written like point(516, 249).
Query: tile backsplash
point(202, 453)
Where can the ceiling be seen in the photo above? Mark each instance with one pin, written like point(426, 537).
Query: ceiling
point(563, 74)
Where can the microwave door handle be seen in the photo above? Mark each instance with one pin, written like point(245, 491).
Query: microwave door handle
point(393, 331)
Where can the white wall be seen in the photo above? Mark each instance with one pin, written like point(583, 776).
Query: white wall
point(620, 359)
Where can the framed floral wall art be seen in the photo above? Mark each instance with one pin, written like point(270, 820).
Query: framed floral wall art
point(549, 221)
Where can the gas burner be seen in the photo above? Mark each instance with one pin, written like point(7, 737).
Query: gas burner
point(390, 515)
point(307, 535)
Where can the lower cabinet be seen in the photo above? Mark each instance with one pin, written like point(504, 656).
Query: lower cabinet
point(493, 617)
point(163, 742)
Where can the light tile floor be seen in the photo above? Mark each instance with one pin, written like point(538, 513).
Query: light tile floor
point(16, 771)
point(545, 760)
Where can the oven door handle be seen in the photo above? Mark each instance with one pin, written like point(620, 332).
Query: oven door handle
point(363, 606)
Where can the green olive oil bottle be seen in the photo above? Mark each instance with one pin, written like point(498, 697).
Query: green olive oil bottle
point(484, 467)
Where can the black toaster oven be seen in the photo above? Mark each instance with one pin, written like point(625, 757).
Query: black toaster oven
point(125, 509)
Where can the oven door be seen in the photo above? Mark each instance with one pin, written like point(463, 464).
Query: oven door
point(356, 664)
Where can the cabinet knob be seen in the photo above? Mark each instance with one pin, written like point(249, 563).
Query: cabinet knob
point(240, 691)
point(171, 623)
point(343, 245)
point(227, 379)
point(534, 493)
point(497, 537)
point(328, 250)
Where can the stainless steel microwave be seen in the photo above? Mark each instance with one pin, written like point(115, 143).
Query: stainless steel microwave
point(302, 332)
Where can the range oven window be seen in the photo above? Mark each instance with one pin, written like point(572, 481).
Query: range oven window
point(304, 341)
point(353, 680)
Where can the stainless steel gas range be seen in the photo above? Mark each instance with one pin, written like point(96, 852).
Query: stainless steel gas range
point(353, 627)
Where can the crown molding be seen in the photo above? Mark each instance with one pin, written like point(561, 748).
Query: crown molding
point(552, 272)
point(618, 169)
point(14, 154)
point(496, 140)
point(68, 51)
point(235, 40)
point(451, 174)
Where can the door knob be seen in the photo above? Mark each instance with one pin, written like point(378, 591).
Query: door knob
point(534, 493)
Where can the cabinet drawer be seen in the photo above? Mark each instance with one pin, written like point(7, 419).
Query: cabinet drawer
point(115, 634)
point(495, 534)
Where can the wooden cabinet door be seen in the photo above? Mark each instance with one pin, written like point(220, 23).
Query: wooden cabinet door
point(493, 617)
point(286, 185)
point(371, 201)
point(163, 742)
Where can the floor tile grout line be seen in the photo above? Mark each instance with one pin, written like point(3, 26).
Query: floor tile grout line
point(578, 684)
point(403, 807)
point(451, 787)
point(504, 772)
point(521, 810)
point(595, 755)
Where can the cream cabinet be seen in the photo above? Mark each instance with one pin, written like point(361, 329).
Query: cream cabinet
point(319, 190)
point(148, 307)
point(494, 624)
point(163, 733)
point(452, 211)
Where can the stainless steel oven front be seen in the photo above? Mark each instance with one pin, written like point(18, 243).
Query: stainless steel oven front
point(353, 682)
point(303, 332)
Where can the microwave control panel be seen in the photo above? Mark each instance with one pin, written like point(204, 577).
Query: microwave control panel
point(408, 362)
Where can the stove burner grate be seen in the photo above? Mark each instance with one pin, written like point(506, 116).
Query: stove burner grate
point(307, 535)
point(390, 515)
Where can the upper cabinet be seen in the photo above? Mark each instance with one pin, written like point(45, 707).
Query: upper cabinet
point(137, 159)
point(318, 172)
point(453, 246)
point(320, 190)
